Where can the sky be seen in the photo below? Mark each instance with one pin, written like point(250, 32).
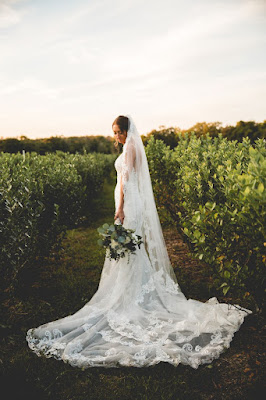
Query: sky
point(70, 67)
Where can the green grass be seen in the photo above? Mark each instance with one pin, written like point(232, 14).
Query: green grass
point(65, 282)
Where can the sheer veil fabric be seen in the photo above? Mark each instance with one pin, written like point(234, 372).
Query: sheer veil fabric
point(139, 315)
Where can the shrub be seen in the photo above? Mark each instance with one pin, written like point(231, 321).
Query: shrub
point(41, 197)
point(214, 191)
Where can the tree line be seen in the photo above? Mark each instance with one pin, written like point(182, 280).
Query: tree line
point(105, 144)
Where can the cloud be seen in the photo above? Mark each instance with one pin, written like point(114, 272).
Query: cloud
point(9, 15)
point(29, 86)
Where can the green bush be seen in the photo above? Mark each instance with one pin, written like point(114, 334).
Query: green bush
point(214, 191)
point(40, 198)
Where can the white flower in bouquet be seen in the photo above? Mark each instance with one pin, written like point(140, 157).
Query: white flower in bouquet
point(118, 240)
point(113, 243)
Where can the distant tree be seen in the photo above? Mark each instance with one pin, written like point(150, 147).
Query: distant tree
point(11, 145)
point(56, 143)
point(74, 144)
point(249, 129)
point(262, 129)
point(201, 128)
point(170, 136)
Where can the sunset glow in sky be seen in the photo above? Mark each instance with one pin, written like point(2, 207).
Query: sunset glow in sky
point(70, 67)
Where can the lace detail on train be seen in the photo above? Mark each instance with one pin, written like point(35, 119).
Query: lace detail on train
point(139, 315)
point(153, 339)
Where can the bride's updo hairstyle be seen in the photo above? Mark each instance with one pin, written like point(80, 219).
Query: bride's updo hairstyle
point(122, 122)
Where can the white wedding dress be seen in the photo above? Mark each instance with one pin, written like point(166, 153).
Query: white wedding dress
point(138, 316)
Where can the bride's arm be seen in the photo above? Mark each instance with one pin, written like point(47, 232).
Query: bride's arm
point(120, 210)
point(128, 163)
point(121, 202)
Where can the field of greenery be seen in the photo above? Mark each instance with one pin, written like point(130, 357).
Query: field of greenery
point(214, 191)
point(210, 194)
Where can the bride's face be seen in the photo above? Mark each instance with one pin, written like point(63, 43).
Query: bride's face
point(120, 135)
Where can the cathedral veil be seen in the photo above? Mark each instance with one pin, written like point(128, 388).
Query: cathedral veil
point(134, 161)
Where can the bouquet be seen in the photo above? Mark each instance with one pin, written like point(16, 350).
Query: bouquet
point(118, 240)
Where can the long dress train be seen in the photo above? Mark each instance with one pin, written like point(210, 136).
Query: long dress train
point(138, 316)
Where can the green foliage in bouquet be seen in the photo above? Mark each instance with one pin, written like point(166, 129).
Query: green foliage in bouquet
point(118, 240)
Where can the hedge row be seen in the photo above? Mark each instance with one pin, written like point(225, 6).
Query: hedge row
point(40, 198)
point(214, 191)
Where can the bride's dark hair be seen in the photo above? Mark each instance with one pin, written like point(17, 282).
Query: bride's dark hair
point(122, 122)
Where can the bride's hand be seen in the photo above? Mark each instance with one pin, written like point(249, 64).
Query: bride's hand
point(120, 214)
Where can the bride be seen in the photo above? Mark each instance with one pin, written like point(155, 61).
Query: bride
point(139, 315)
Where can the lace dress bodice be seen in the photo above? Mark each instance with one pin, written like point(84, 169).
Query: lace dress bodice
point(118, 167)
point(133, 205)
